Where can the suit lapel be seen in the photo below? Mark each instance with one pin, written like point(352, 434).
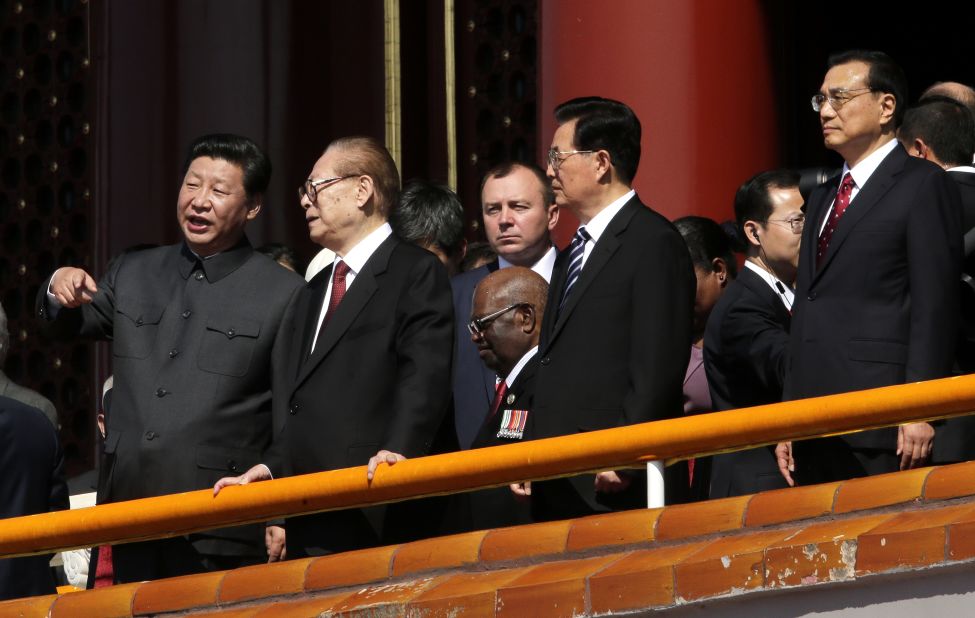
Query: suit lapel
point(815, 217)
point(761, 288)
point(559, 273)
point(355, 300)
point(607, 245)
point(877, 185)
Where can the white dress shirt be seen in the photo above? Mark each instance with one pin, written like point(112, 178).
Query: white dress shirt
point(355, 259)
point(861, 173)
point(543, 266)
point(787, 295)
point(598, 224)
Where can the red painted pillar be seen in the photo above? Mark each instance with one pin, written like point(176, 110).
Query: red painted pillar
point(697, 73)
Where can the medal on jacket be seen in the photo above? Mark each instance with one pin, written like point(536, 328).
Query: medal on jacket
point(513, 424)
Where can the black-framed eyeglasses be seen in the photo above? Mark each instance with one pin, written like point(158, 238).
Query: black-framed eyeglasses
point(836, 98)
point(796, 223)
point(310, 187)
point(477, 325)
point(556, 157)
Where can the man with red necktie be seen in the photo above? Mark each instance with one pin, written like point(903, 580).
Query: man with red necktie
point(878, 273)
point(367, 368)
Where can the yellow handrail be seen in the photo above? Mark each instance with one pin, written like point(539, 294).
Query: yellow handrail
point(453, 472)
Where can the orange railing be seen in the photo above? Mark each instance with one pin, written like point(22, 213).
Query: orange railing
point(454, 472)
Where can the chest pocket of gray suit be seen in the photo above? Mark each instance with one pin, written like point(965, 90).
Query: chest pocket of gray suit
point(228, 344)
point(135, 328)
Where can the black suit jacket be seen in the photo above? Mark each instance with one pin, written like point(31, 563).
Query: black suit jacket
point(192, 359)
point(746, 356)
point(955, 439)
point(498, 507)
point(32, 482)
point(473, 383)
point(882, 307)
point(618, 351)
point(379, 378)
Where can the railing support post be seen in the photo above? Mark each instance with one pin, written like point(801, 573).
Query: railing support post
point(655, 484)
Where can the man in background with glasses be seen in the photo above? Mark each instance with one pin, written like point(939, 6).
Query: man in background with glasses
point(876, 296)
point(617, 331)
point(368, 351)
point(746, 343)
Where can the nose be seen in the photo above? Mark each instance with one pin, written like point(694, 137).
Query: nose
point(550, 170)
point(304, 202)
point(476, 337)
point(504, 218)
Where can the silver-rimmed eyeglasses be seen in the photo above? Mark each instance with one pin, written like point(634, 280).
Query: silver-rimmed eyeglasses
point(556, 157)
point(836, 98)
point(795, 223)
point(477, 325)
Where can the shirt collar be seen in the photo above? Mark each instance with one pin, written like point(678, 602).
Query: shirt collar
point(598, 224)
point(862, 171)
point(357, 257)
point(216, 266)
point(543, 266)
point(962, 168)
point(787, 296)
point(513, 374)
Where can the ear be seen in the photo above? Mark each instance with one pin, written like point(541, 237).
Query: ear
point(365, 188)
point(553, 216)
point(720, 268)
point(888, 104)
point(603, 163)
point(751, 233)
point(920, 149)
point(255, 206)
point(528, 318)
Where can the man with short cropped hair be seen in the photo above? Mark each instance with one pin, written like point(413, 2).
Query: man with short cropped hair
point(193, 327)
point(519, 214)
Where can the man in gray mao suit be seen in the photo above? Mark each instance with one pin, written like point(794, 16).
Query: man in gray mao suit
point(193, 326)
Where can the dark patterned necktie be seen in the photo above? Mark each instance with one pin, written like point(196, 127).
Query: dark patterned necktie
point(576, 251)
point(840, 204)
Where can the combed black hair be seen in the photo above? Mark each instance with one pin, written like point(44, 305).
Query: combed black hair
point(605, 124)
point(885, 76)
point(238, 150)
point(753, 202)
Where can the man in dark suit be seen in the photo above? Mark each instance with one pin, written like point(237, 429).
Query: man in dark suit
point(942, 131)
point(33, 482)
point(519, 214)
point(746, 343)
point(193, 326)
point(877, 288)
point(369, 349)
point(616, 337)
point(506, 321)
point(9, 388)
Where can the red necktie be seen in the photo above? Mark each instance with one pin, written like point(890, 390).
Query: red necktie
point(338, 290)
point(499, 392)
point(839, 207)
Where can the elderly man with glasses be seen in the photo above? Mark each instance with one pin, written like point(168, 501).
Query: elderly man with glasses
point(879, 264)
point(368, 352)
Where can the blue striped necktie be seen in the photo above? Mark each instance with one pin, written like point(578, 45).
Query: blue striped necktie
point(576, 251)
